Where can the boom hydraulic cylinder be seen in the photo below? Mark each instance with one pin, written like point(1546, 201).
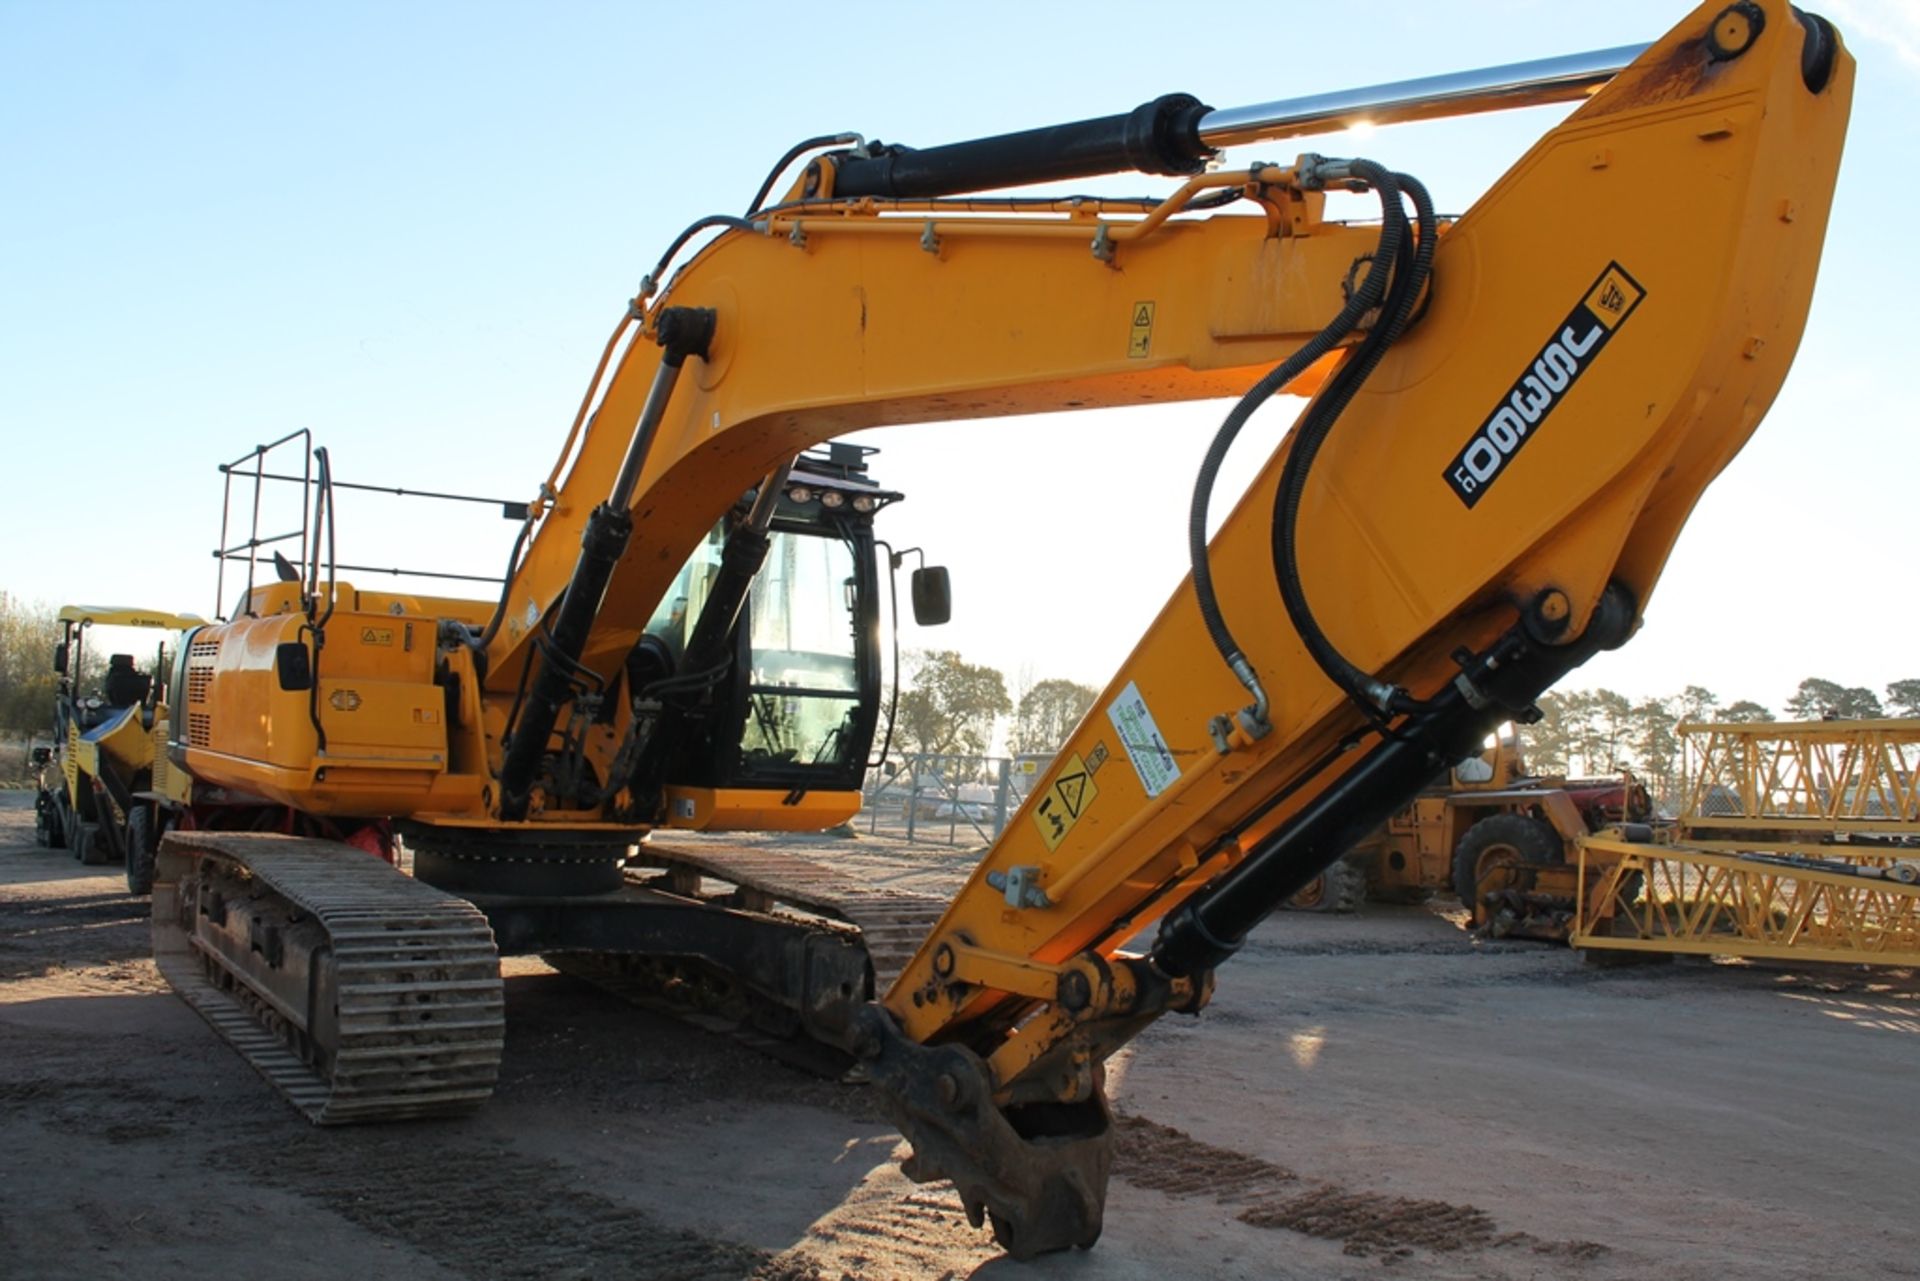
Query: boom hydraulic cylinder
point(1177, 134)
point(1497, 686)
point(681, 332)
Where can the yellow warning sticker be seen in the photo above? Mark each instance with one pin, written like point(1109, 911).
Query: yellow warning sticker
point(1140, 338)
point(1065, 801)
point(376, 635)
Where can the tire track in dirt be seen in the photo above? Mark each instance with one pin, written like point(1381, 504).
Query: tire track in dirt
point(489, 1213)
point(1373, 1223)
point(1162, 1159)
point(878, 1233)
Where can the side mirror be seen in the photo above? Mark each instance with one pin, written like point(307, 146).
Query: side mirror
point(60, 658)
point(42, 755)
point(932, 596)
point(294, 666)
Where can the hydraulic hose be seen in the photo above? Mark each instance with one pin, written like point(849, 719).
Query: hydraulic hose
point(506, 585)
point(1369, 294)
point(322, 518)
point(794, 152)
point(655, 278)
point(548, 490)
point(551, 488)
point(325, 496)
point(1403, 298)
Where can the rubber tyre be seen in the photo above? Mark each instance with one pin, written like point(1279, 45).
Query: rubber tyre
point(143, 842)
point(88, 846)
point(1339, 889)
point(68, 822)
point(1517, 837)
point(47, 830)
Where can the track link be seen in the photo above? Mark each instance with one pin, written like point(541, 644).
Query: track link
point(892, 924)
point(360, 993)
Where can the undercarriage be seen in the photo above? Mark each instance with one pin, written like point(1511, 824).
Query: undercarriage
point(310, 954)
point(364, 994)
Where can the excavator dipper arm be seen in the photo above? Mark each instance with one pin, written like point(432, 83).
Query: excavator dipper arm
point(1482, 494)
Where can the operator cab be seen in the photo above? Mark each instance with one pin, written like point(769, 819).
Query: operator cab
point(797, 708)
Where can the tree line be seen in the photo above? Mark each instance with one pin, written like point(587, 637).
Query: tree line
point(1598, 731)
point(28, 633)
point(949, 705)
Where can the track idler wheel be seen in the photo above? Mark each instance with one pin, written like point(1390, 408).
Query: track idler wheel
point(1039, 1171)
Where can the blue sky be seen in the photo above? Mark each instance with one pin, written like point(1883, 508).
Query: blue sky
point(409, 228)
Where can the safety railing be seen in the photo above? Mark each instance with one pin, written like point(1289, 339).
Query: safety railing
point(252, 466)
point(303, 523)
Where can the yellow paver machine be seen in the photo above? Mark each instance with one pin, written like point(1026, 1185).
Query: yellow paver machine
point(105, 779)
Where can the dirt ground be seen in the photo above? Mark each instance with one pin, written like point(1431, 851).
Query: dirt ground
point(1367, 1097)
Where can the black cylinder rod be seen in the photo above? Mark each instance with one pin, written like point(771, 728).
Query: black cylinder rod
point(1498, 685)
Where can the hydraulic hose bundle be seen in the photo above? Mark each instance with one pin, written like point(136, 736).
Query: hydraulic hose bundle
point(1394, 281)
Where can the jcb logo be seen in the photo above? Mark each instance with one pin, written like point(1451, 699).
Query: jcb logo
point(1539, 390)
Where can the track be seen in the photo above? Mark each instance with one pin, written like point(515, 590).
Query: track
point(765, 880)
point(363, 994)
point(359, 992)
point(892, 924)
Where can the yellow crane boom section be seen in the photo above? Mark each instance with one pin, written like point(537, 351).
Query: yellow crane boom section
point(1809, 778)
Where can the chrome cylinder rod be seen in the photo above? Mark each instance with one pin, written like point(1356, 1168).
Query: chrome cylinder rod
point(1460, 93)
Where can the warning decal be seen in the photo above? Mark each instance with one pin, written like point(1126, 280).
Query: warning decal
point(1064, 802)
point(1152, 758)
point(1140, 337)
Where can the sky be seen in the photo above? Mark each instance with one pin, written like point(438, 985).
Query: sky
point(408, 229)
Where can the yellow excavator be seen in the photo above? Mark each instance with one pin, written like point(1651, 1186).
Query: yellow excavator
point(1512, 413)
